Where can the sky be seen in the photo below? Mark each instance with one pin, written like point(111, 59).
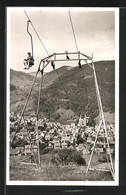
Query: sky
point(94, 31)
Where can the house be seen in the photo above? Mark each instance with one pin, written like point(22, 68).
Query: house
point(111, 150)
point(112, 144)
point(55, 141)
point(110, 139)
point(88, 148)
point(72, 125)
point(27, 149)
point(83, 121)
point(64, 145)
point(99, 150)
point(47, 137)
point(70, 147)
point(56, 145)
point(51, 145)
point(55, 137)
point(82, 148)
point(22, 150)
point(35, 148)
point(93, 138)
point(89, 139)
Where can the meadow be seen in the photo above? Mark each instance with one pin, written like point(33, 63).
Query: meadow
point(49, 171)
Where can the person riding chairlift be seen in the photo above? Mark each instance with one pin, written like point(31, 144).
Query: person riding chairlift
point(29, 61)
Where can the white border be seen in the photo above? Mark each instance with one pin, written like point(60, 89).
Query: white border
point(66, 183)
point(117, 96)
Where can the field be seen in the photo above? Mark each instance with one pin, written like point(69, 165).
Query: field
point(56, 172)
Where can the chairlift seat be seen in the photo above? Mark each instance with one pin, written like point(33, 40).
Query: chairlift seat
point(28, 63)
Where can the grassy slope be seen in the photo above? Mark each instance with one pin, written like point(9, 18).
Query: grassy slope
point(51, 172)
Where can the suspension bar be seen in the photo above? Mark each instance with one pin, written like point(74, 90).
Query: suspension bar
point(80, 55)
point(65, 60)
point(30, 36)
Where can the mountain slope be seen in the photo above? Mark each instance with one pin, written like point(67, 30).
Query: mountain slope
point(20, 84)
point(75, 90)
point(19, 78)
point(52, 76)
point(70, 89)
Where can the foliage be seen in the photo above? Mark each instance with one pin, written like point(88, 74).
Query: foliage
point(56, 160)
point(45, 150)
point(104, 158)
point(12, 129)
point(65, 156)
point(91, 122)
point(23, 143)
point(79, 139)
point(113, 154)
point(57, 116)
point(12, 87)
point(19, 142)
point(42, 146)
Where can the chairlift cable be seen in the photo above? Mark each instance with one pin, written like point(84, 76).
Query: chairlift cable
point(83, 77)
point(25, 106)
point(40, 91)
point(37, 115)
point(64, 87)
point(77, 50)
point(73, 30)
point(62, 84)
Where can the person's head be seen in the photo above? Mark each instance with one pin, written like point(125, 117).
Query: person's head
point(29, 54)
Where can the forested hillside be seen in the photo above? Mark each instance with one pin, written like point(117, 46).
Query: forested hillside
point(67, 91)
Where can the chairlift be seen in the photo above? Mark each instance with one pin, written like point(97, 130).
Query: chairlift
point(30, 59)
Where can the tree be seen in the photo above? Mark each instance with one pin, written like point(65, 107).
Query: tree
point(79, 139)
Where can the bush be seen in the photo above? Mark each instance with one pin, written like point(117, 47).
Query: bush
point(103, 159)
point(42, 146)
point(77, 157)
point(55, 160)
point(23, 143)
point(12, 87)
point(65, 156)
point(113, 154)
point(54, 151)
point(16, 143)
point(45, 151)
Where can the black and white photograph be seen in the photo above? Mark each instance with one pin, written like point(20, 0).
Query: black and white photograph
point(62, 96)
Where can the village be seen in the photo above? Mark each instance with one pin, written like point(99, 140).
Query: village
point(56, 136)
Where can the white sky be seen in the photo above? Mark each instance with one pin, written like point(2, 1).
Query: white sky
point(94, 30)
